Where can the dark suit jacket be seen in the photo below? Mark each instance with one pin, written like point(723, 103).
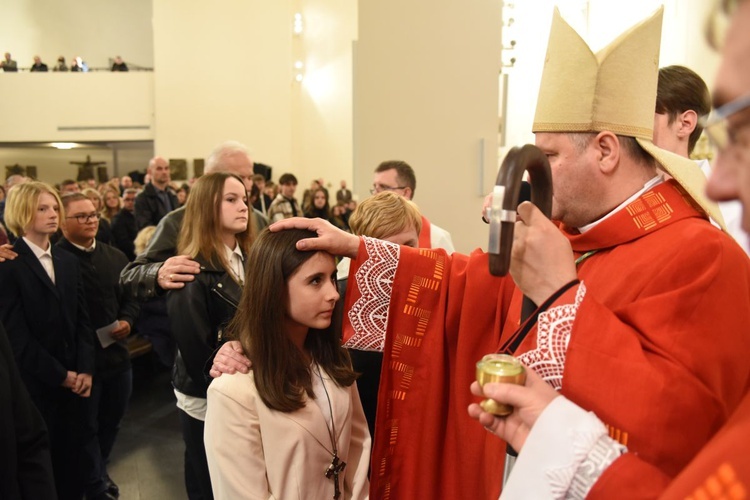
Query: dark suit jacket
point(343, 196)
point(149, 209)
point(25, 465)
point(100, 272)
point(124, 232)
point(47, 323)
point(259, 206)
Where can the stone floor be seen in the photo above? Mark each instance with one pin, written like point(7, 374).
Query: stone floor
point(147, 460)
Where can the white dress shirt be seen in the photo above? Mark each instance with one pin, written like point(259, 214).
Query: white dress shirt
point(44, 256)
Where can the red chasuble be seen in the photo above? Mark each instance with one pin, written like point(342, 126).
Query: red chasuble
point(720, 470)
point(654, 340)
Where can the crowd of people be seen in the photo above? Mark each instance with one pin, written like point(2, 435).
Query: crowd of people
point(111, 226)
point(10, 65)
point(638, 384)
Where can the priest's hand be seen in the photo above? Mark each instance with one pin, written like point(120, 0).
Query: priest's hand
point(528, 402)
point(542, 260)
point(330, 238)
point(230, 359)
point(7, 253)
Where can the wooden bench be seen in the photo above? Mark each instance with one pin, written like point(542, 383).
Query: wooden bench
point(138, 346)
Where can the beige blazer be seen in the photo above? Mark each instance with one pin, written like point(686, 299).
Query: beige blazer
point(257, 453)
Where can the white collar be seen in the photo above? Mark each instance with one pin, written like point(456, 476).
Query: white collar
point(38, 251)
point(235, 259)
point(84, 249)
point(236, 251)
point(649, 185)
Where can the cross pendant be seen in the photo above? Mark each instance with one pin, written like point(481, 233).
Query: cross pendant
point(337, 466)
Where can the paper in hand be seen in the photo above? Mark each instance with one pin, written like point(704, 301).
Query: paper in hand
point(105, 339)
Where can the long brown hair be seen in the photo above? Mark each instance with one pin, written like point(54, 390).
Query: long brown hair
point(201, 228)
point(282, 375)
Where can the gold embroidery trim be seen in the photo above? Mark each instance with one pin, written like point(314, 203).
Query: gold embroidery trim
point(723, 483)
point(618, 435)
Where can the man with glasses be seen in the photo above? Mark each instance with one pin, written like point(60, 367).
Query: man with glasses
point(112, 315)
point(398, 177)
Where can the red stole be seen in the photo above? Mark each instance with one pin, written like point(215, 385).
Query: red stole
point(665, 204)
point(425, 235)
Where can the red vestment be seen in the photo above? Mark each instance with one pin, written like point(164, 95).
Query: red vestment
point(720, 470)
point(654, 341)
point(425, 235)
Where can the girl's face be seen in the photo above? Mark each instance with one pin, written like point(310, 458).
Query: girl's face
point(47, 216)
point(320, 199)
point(233, 208)
point(181, 196)
point(110, 199)
point(312, 293)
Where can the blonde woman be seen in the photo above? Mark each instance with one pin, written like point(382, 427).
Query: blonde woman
point(143, 238)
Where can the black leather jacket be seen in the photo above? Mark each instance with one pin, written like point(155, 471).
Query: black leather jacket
point(138, 279)
point(198, 313)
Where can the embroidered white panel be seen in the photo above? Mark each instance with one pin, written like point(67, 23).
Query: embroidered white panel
point(374, 278)
point(553, 333)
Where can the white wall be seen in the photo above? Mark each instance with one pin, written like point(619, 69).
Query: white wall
point(65, 107)
point(322, 102)
point(426, 92)
point(223, 72)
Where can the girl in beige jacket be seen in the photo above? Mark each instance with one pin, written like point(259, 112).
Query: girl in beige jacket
point(293, 427)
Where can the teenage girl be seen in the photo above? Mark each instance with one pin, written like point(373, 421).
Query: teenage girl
point(215, 232)
point(293, 427)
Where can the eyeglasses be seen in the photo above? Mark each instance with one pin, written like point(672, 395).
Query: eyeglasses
point(379, 188)
point(84, 218)
point(717, 126)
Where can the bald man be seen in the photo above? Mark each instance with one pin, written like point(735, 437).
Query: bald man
point(157, 199)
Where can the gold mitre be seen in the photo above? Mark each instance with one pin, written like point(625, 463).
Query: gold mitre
point(615, 90)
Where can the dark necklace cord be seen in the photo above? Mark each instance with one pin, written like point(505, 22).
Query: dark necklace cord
point(336, 466)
